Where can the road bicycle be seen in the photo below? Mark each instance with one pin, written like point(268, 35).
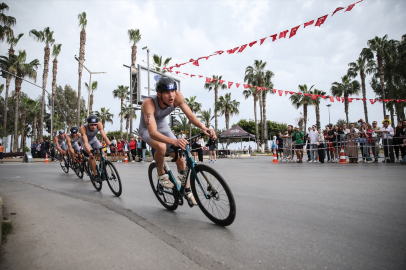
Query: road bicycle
point(210, 190)
point(77, 165)
point(106, 171)
point(65, 162)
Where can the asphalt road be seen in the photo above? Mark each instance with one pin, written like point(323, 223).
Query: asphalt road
point(289, 216)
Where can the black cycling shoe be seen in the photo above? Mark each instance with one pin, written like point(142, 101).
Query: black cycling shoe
point(98, 179)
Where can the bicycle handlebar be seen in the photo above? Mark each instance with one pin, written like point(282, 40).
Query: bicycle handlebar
point(176, 149)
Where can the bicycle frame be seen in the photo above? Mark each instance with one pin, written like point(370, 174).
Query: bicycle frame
point(102, 162)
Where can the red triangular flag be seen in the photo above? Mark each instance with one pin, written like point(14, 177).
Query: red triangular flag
point(177, 72)
point(191, 75)
point(200, 76)
point(349, 7)
point(264, 88)
point(242, 48)
point(324, 97)
point(308, 23)
point(364, 99)
point(221, 81)
point(208, 80)
point(321, 20)
point(337, 9)
point(230, 51)
point(332, 99)
point(397, 101)
point(293, 31)
point(196, 63)
point(274, 37)
point(258, 88)
point(313, 96)
point(219, 52)
point(237, 84)
point(283, 34)
point(286, 93)
point(372, 101)
point(191, 60)
point(350, 100)
point(262, 40)
point(177, 65)
point(306, 94)
point(229, 84)
point(342, 99)
point(291, 93)
point(252, 43)
point(385, 100)
point(245, 86)
point(380, 100)
point(338, 98)
point(298, 93)
point(186, 74)
point(280, 92)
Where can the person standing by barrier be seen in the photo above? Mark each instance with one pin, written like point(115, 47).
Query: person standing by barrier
point(299, 137)
point(1, 152)
point(52, 148)
point(139, 148)
point(279, 141)
point(320, 145)
point(375, 140)
point(120, 151)
point(34, 149)
point(398, 141)
point(367, 135)
point(352, 148)
point(337, 132)
point(144, 150)
point(200, 144)
point(133, 146)
point(387, 141)
point(313, 138)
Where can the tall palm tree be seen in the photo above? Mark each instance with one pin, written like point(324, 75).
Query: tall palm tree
point(345, 88)
point(25, 104)
point(12, 41)
point(227, 107)
point(7, 63)
point(135, 37)
point(122, 93)
point(45, 36)
point(316, 103)
point(82, 24)
point(206, 117)
point(35, 110)
point(126, 112)
point(158, 62)
point(304, 99)
point(104, 116)
point(255, 75)
point(363, 65)
point(269, 85)
point(22, 70)
point(183, 124)
point(252, 92)
point(215, 85)
point(56, 50)
point(6, 22)
point(194, 107)
point(91, 90)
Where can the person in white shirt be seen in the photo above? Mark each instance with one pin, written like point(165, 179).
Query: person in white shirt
point(353, 127)
point(387, 140)
point(182, 135)
point(313, 134)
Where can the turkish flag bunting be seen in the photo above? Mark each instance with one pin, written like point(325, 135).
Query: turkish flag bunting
point(380, 100)
point(397, 101)
point(215, 80)
point(229, 84)
point(298, 93)
point(191, 60)
point(364, 99)
point(264, 88)
point(191, 75)
point(219, 52)
point(390, 99)
point(349, 7)
point(283, 34)
point(171, 68)
point(313, 96)
point(372, 101)
point(306, 94)
point(196, 63)
point(177, 72)
point(258, 88)
point(274, 37)
point(242, 48)
point(232, 50)
point(308, 23)
point(357, 99)
point(350, 100)
point(177, 65)
point(237, 84)
point(286, 93)
point(208, 80)
point(291, 93)
point(262, 40)
point(332, 99)
point(186, 74)
point(324, 97)
point(252, 43)
point(342, 99)
point(245, 86)
point(337, 9)
point(200, 76)
point(338, 98)
point(293, 31)
point(321, 20)
point(385, 100)
point(221, 81)
point(280, 92)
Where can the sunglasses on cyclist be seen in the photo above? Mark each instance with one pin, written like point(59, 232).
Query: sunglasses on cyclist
point(92, 125)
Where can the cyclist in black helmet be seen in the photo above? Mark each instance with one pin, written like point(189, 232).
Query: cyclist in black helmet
point(89, 139)
point(155, 131)
point(72, 141)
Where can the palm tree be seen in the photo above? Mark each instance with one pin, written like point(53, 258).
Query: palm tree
point(22, 70)
point(216, 85)
point(160, 65)
point(7, 63)
point(135, 37)
point(56, 50)
point(363, 65)
point(126, 112)
point(304, 99)
point(269, 85)
point(252, 92)
point(45, 36)
point(82, 23)
point(104, 116)
point(6, 22)
point(35, 110)
point(91, 90)
point(183, 124)
point(25, 104)
point(346, 88)
point(12, 41)
point(227, 107)
point(316, 103)
point(194, 107)
point(206, 117)
point(122, 93)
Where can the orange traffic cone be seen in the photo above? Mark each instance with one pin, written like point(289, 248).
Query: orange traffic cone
point(343, 159)
point(275, 157)
point(46, 158)
point(125, 160)
point(370, 152)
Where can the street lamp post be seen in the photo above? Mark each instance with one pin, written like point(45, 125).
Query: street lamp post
point(328, 106)
point(132, 69)
point(90, 86)
point(147, 66)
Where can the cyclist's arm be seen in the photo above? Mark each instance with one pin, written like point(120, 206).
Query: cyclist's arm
point(103, 133)
point(84, 138)
point(148, 109)
point(57, 144)
point(68, 141)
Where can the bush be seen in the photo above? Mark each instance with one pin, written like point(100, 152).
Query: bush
point(26, 149)
point(6, 228)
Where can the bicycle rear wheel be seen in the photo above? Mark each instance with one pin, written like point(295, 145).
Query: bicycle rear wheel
point(169, 201)
point(113, 178)
point(64, 164)
point(77, 168)
point(97, 185)
point(220, 206)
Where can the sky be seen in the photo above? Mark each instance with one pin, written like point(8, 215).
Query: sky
point(183, 30)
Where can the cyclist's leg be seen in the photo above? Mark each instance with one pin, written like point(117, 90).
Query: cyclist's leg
point(94, 143)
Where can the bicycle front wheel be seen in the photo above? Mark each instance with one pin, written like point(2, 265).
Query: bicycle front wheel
point(113, 178)
point(97, 185)
point(77, 168)
point(219, 207)
point(164, 196)
point(64, 164)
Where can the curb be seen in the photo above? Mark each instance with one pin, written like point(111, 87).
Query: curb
point(1, 217)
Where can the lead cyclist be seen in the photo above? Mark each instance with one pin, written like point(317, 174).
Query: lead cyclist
point(155, 131)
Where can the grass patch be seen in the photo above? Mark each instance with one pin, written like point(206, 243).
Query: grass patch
point(6, 228)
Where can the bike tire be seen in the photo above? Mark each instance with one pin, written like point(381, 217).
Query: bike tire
point(113, 178)
point(63, 165)
point(170, 202)
point(220, 207)
point(97, 185)
point(77, 168)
